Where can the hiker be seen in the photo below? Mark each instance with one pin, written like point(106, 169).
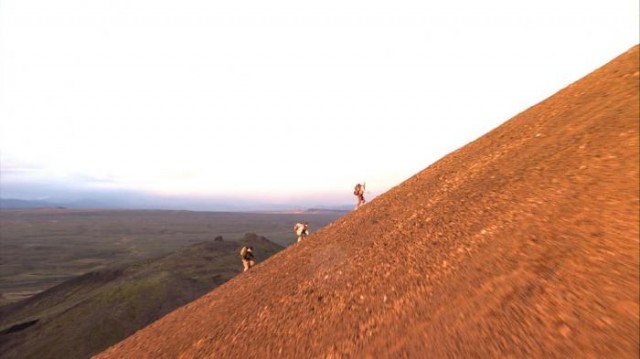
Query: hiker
point(302, 230)
point(246, 254)
point(358, 191)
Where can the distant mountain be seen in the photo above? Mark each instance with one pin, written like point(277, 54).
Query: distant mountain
point(314, 210)
point(128, 200)
point(12, 203)
point(326, 210)
point(88, 203)
point(86, 314)
point(21, 203)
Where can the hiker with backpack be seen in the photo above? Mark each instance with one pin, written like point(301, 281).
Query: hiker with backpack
point(302, 230)
point(358, 191)
point(246, 254)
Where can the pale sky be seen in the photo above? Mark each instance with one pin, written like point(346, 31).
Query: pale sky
point(286, 101)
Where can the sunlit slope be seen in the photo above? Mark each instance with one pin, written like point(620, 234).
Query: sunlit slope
point(524, 243)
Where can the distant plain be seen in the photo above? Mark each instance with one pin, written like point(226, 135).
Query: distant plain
point(40, 248)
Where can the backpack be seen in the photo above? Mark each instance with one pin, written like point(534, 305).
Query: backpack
point(243, 251)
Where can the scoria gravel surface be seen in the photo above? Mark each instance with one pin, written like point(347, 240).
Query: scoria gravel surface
point(524, 243)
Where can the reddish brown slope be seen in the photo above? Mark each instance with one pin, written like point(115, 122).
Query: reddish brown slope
point(524, 243)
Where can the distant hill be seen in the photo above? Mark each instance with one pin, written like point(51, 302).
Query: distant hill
point(522, 244)
point(327, 210)
point(11, 203)
point(338, 210)
point(86, 314)
point(20, 203)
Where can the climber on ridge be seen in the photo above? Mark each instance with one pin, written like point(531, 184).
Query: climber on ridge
point(358, 191)
point(302, 230)
point(246, 254)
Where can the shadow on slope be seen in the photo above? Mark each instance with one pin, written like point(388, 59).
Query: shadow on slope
point(87, 314)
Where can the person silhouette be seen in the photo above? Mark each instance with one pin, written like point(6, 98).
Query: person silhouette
point(358, 191)
point(246, 254)
point(302, 230)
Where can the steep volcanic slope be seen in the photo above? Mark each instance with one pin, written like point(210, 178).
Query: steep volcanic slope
point(524, 243)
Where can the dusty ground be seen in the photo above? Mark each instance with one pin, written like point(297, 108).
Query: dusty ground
point(522, 244)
